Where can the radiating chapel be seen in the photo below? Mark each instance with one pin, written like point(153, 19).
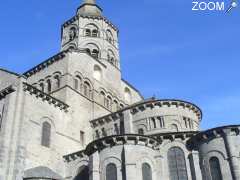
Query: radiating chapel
point(73, 117)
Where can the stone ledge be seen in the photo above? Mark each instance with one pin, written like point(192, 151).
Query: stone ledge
point(45, 97)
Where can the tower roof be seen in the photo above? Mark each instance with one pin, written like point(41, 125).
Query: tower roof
point(89, 8)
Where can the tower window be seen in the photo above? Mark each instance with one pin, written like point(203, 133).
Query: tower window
point(46, 134)
point(141, 131)
point(87, 32)
point(104, 133)
point(72, 33)
point(82, 138)
point(97, 134)
point(116, 128)
point(57, 81)
point(95, 33)
point(95, 53)
point(87, 90)
point(41, 87)
point(154, 124)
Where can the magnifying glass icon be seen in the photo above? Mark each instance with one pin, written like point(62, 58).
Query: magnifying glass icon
point(233, 5)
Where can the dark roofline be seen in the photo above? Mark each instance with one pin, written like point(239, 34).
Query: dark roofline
point(10, 72)
point(219, 128)
point(133, 87)
point(151, 100)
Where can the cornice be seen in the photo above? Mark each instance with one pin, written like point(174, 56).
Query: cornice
point(73, 19)
point(150, 103)
point(204, 136)
point(45, 97)
point(130, 139)
point(72, 157)
point(46, 63)
point(6, 91)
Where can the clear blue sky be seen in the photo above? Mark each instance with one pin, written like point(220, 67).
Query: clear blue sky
point(167, 50)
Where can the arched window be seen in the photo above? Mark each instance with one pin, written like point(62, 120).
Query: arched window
point(111, 57)
point(111, 172)
point(109, 36)
point(215, 168)
point(177, 164)
point(77, 83)
point(108, 102)
point(146, 171)
point(141, 131)
point(121, 106)
point(95, 33)
point(154, 124)
point(88, 51)
point(57, 81)
point(102, 97)
point(87, 89)
point(41, 86)
point(87, 32)
point(83, 173)
point(127, 95)
point(72, 33)
point(49, 86)
point(115, 105)
point(46, 134)
point(95, 53)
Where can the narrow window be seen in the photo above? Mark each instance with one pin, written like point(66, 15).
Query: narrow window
point(1, 117)
point(161, 122)
point(185, 121)
point(154, 125)
point(177, 164)
point(41, 87)
point(215, 169)
point(46, 134)
point(95, 33)
point(104, 133)
point(49, 86)
point(82, 138)
point(146, 172)
point(57, 80)
point(116, 128)
point(95, 53)
point(141, 131)
point(77, 83)
point(97, 134)
point(87, 32)
point(111, 172)
point(88, 51)
point(87, 90)
point(72, 33)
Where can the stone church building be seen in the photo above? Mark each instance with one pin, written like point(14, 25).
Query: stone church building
point(73, 117)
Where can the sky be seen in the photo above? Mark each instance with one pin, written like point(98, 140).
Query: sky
point(167, 50)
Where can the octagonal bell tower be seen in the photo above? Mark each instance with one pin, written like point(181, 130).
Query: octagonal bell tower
point(90, 31)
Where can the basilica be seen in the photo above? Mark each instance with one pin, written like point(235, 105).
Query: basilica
point(73, 117)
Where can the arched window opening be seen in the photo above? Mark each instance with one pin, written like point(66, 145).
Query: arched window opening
point(116, 128)
point(102, 97)
point(41, 87)
point(49, 86)
point(146, 171)
point(215, 168)
point(127, 95)
point(87, 32)
point(177, 164)
point(141, 131)
point(111, 172)
point(111, 57)
point(95, 33)
point(57, 81)
point(88, 51)
point(83, 173)
point(108, 102)
point(77, 83)
point(95, 53)
point(110, 36)
point(46, 134)
point(97, 74)
point(87, 89)
point(104, 133)
point(72, 33)
point(154, 124)
point(121, 106)
point(115, 105)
